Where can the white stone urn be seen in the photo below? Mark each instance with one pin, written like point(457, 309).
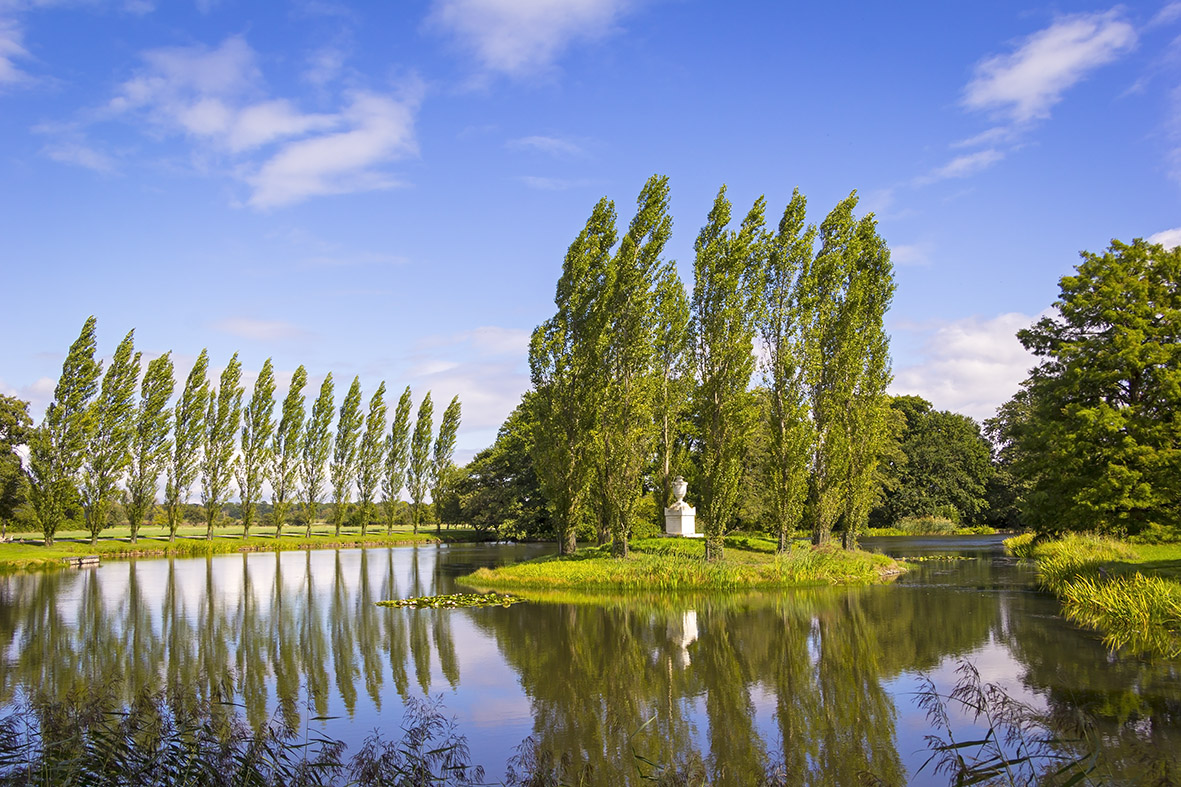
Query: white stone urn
point(680, 487)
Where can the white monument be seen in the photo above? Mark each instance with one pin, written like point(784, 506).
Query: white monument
point(680, 518)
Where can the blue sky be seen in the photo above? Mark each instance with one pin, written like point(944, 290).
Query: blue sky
point(387, 189)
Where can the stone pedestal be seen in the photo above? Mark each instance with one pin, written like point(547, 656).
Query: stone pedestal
point(680, 519)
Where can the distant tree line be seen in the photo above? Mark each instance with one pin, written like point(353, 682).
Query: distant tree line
point(101, 447)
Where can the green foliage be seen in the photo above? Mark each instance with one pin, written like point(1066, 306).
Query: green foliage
point(1093, 436)
point(926, 526)
point(397, 459)
point(443, 469)
point(188, 435)
point(57, 447)
point(222, 417)
point(15, 428)
point(317, 444)
point(419, 476)
point(286, 449)
point(150, 445)
point(258, 427)
point(943, 470)
point(670, 345)
point(371, 456)
point(726, 292)
point(344, 457)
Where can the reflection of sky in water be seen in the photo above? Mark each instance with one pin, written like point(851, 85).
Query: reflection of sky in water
point(991, 619)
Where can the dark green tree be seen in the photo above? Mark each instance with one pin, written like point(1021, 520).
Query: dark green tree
point(222, 417)
point(397, 459)
point(726, 291)
point(258, 426)
point(371, 457)
point(674, 379)
point(443, 469)
point(420, 467)
point(151, 446)
point(1097, 442)
point(188, 437)
point(343, 470)
point(57, 447)
point(317, 444)
point(15, 429)
point(286, 449)
point(108, 452)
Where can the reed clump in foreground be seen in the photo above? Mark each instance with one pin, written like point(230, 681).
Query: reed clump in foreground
point(679, 564)
point(1122, 591)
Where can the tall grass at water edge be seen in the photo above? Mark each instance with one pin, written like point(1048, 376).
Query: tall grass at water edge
point(1102, 587)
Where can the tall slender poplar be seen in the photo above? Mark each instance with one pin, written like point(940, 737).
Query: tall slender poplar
point(419, 476)
point(673, 384)
point(781, 330)
point(397, 459)
point(258, 426)
point(726, 290)
point(565, 364)
point(57, 447)
point(222, 417)
point(108, 452)
point(286, 449)
point(444, 468)
point(317, 444)
point(188, 436)
point(344, 455)
point(371, 456)
point(151, 445)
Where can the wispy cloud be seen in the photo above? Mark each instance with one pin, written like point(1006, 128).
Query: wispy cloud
point(523, 38)
point(1167, 238)
point(11, 49)
point(970, 366)
point(218, 98)
point(912, 254)
point(554, 146)
point(962, 166)
point(258, 330)
point(554, 184)
point(1024, 84)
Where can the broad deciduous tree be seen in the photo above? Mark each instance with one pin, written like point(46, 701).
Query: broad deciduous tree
point(188, 437)
point(222, 417)
point(151, 446)
point(15, 428)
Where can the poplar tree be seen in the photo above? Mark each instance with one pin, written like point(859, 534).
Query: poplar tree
point(222, 417)
point(564, 363)
point(286, 448)
point(188, 435)
point(626, 426)
point(108, 452)
point(726, 291)
point(344, 456)
point(151, 445)
point(317, 444)
point(397, 459)
point(444, 468)
point(420, 456)
point(57, 447)
point(258, 426)
point(673, 384)
point(371, 457)
point(781, 331)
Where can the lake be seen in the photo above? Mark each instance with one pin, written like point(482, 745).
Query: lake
point(820, 680)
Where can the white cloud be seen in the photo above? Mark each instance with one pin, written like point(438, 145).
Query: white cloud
point(218, 98)
point(962, 166)
point(553, 184)
point(1167, 238)
point(11, 48)
point(494, 340)
point(912, 254)
point(79, 154)
point(521, 37)
point(1025, 83)
point(555, 146)
point(38, 394)
point(258, 330)
point(969, 366)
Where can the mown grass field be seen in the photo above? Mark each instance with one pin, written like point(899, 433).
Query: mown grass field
point(674, 564)
point(1131, 593)
point(27, 550)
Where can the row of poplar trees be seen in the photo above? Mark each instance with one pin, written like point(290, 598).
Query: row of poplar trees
point(97, 435)
point(631, 373)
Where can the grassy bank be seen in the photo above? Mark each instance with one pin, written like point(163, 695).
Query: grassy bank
point(30, 553)
point(1131, 593)
point(667, 564)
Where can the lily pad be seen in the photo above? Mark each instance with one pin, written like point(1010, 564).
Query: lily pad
point(454, 601)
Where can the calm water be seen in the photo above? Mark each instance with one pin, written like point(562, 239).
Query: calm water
point(821, 680)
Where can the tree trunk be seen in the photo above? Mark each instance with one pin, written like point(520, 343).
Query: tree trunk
point(568, 542)
point(714, 548)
